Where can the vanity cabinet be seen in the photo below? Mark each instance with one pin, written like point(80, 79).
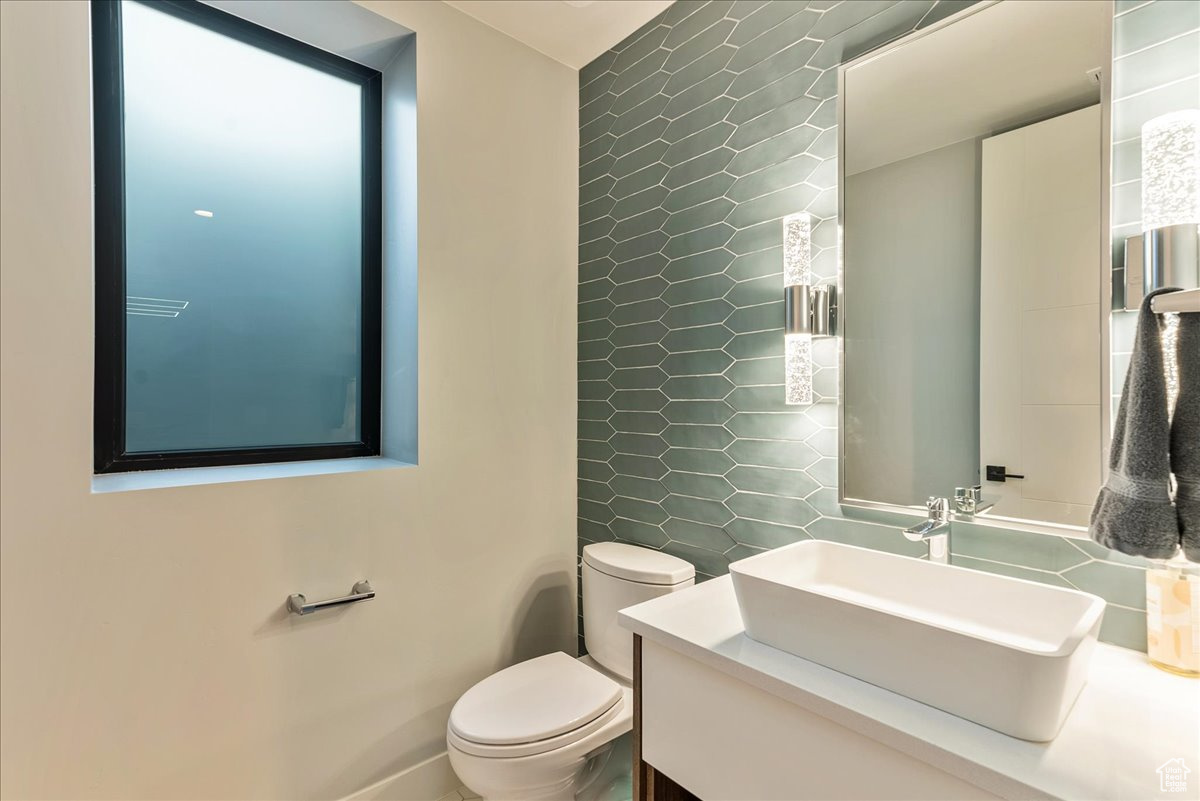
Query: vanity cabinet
point(721, 717)
point(649, 783)
point(701, 734)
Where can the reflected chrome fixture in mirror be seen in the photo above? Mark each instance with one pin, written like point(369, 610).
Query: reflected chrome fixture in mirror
point(1171, 201)
point(1131, 298)
point(968, 501)
point(824, 310)
point(808, 310)
point(934, 531)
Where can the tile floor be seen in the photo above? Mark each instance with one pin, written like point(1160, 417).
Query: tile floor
point(463, 793)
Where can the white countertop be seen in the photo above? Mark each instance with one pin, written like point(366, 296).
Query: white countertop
point(1129, 720)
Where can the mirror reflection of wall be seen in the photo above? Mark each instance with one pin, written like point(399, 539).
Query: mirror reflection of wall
point(1039, 382)
point(973, 253)
point(912, 339)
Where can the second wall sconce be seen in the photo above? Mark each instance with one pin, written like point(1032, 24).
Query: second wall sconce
point(1168, 251)
point(808, 310)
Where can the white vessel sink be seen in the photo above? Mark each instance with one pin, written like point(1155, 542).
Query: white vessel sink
point(1009, 654)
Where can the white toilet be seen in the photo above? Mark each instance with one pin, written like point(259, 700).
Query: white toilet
point(545, 728)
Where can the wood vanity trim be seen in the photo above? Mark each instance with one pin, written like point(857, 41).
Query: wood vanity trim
point(649, 784)
point(640, 768)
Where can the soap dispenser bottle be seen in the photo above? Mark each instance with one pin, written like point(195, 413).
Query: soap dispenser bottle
point(1173, 616)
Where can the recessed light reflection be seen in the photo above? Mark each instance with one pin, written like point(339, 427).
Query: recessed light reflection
point(202, 213)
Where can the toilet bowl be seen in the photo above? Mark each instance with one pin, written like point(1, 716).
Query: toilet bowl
point(546, 729)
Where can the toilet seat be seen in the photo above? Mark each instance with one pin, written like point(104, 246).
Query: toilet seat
point(533, 707)
point(538, 746)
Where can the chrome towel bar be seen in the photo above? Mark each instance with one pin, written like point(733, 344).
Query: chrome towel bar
point(298, 605)
point(1183, 301)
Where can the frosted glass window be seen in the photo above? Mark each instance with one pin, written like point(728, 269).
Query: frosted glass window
point(249, 228)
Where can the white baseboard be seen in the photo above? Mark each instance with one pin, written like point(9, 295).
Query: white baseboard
point(425, 781)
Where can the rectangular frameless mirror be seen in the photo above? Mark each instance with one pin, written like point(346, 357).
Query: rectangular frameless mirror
point(975, 242)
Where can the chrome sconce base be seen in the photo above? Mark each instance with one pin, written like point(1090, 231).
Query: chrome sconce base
point(811, 310)
point(1171, 257)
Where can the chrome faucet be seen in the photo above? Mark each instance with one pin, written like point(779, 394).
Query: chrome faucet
point(934, 531)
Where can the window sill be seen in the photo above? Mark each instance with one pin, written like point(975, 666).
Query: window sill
point(190, 476)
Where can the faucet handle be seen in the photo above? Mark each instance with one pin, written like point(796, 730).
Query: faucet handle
point(936, 504)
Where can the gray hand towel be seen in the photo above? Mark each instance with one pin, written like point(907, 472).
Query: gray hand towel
point(1134, 514)
point(1185, 435)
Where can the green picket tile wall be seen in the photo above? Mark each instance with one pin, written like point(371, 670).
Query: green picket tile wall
point(697, 134)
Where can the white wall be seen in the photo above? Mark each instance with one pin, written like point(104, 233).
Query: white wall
point(145, 649)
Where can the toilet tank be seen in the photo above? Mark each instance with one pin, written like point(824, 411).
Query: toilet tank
point(615, 576)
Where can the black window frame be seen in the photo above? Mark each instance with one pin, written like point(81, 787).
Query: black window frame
point(110, 455)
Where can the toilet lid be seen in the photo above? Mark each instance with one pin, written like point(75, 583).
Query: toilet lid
point(633, 563)
point(533, 700)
